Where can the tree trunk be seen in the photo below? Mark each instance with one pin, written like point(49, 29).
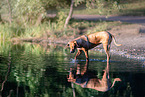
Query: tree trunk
point(70, 14)
point(10, 12)
point(39, 20)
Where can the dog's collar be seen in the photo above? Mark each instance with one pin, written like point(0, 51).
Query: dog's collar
point(86, 37)
point(87, 41)
point(78, 46)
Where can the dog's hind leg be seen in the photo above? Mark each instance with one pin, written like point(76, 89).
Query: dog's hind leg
point(106, 48)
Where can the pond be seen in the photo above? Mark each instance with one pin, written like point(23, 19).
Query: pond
point(44, 70)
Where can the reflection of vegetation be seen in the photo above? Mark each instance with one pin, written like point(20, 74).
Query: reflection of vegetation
point(28, 67)
point(36, 71)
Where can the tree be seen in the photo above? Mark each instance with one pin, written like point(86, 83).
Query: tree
point(76, 2)
point(6, 10)
point(92, 4)
point(70, 14)
point(29, 11)
point(10, 11)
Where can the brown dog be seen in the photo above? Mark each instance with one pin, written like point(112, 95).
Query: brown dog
point(84, 43)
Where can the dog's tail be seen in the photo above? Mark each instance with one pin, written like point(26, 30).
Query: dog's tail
point(115, 41)
point(116, 79)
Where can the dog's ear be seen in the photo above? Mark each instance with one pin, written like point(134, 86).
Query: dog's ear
point(75, 42)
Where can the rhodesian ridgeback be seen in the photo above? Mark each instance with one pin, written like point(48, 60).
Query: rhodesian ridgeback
point(87, 79)
point(86, 42)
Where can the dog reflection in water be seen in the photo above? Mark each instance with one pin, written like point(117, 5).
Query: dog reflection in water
point(87, 79)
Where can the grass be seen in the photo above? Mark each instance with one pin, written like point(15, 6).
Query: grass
point(53, 31)
point(88, 27)
point(128, 7)
point(135, 8)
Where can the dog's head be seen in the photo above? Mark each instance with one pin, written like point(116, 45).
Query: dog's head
point(73, 46)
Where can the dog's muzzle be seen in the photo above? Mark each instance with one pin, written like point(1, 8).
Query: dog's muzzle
point(72, 51)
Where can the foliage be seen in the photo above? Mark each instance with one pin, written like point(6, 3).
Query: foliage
point(113, 7)
point(103, 6)
point(49, 4)
point(61, 19)
point(100, 5)
point(78, 2)
point(27, 11)
point(8, 31)
point(53, 29)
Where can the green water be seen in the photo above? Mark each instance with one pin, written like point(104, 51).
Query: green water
point(33, 70)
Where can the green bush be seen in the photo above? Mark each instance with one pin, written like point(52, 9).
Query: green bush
point(61, 19)
point(27, 11)
point(8, 31)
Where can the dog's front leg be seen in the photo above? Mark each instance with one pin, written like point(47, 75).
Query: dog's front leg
point(78, 53)
point(86, 54)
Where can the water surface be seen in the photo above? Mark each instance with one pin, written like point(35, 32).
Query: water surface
point(33, 70)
